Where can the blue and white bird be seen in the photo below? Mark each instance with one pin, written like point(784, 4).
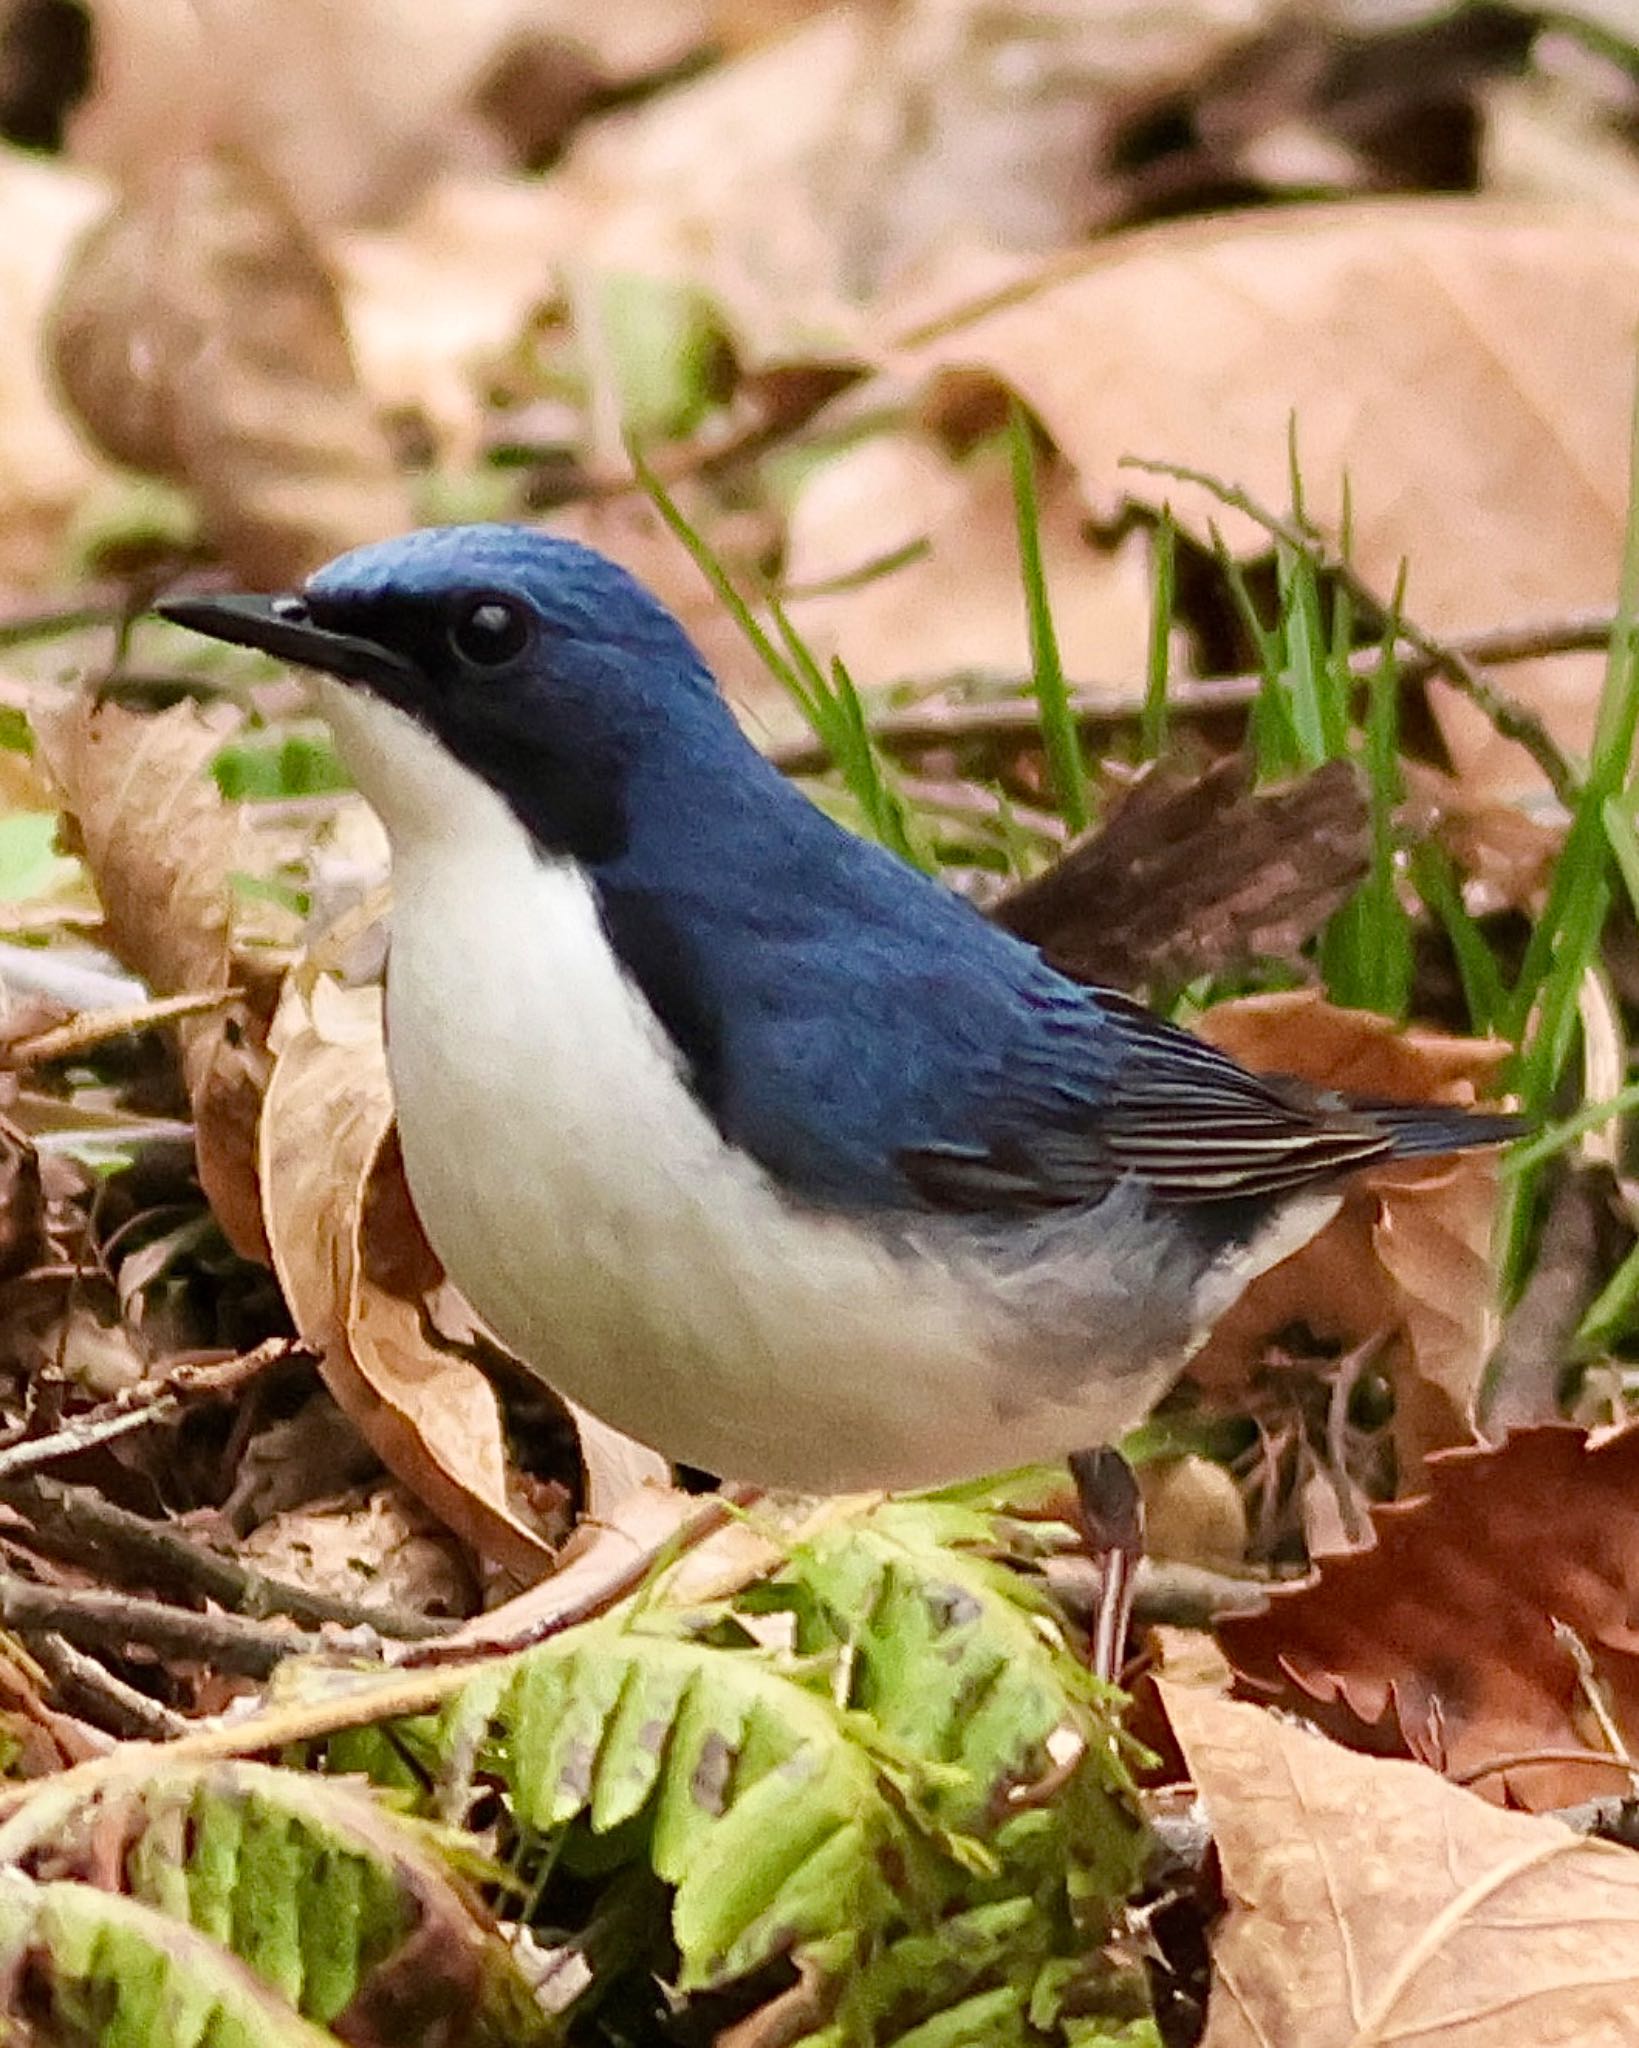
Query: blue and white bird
point(772, 1152)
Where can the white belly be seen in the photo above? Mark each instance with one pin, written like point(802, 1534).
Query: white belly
point(590, 1211)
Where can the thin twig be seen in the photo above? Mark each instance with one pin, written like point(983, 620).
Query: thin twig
point(1012, 718)
point(612, 1565)
point(92, 1028)
point(95, 1620)
point(375, 1696)
point(147, 1407)
point(91, 1692)
point(76, 1524)
point(1514, 720)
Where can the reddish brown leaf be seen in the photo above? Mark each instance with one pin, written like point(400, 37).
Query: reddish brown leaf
point(1440, 1642)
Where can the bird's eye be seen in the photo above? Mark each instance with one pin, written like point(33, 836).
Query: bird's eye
point(489, 632)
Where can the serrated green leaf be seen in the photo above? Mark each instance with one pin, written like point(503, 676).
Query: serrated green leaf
point(769, 1815)
point(310, 1882)
point(267, 1931)
point(112, 1972)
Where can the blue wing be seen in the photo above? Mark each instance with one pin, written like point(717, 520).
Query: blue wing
point(874, 1042)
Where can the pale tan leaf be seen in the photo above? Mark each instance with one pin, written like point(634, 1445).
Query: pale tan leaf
point(155, 832)
point(731, 184)
point(45, 469)
point(958, 605)
point(376, 1546)
point(615, 1465)
point(1466, 366)
point(199, 335)
point(347, 108)
point(355, 1272)
point(439, 296)
point(161, 845)
point(1371, 1903)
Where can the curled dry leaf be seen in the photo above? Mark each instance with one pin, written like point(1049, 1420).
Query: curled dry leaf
point(1433, 353)
point(1197, 874)
point(1371, 1903)
point(356, 1272)
point(1408, 1256)
point(161, 845)
point(199, 335)
point(1440, 1642)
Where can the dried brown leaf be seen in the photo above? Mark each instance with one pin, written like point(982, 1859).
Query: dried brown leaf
point(199, 334)
point(1370, 1903)
point(376, 1545)
point(356, 1273)
point(1434, 353)
point(733, 183)
point(956, 606)
point(348, 108)
point(46, 471)
point(1440, 1643)
point(1408, 1255)
point(161, 846)
point(1197, 874)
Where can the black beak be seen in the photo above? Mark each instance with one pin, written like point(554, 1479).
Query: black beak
point(283, 627)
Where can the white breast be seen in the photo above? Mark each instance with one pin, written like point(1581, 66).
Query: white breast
point(589, 1209)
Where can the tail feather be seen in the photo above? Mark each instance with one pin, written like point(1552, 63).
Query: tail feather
point(1422, 1129)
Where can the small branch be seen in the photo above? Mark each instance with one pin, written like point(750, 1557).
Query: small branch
point(92, 1693)
point(147, 1407)
point(76, 1524)
point(1106, 707)
point(92, 1028)
point(94, 1620)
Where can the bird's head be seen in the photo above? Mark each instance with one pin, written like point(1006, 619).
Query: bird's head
point(528, 661)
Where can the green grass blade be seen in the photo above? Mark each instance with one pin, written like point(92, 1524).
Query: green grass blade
point(1163, 601)
point(1060, 737)
point(1483, 988)
point(1565, 942)
point(717, 576)
point(1547, 1144)
point(1614, 1311)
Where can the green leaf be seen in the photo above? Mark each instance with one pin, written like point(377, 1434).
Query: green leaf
point(313, 1885)
point(769, 1815)
point(30, 864)
point(112, 1972)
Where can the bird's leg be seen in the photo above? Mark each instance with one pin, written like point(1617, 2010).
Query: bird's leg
point(1112, 1523)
